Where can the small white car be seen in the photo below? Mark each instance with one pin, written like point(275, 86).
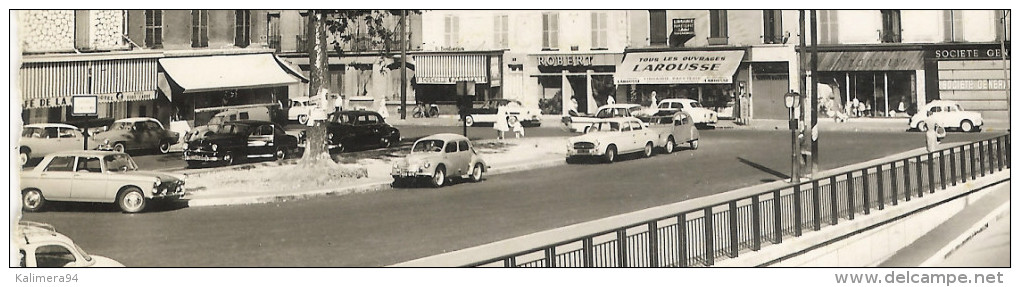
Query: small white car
point(607, 138)
point(39, 140)
point(946, 114)
point(491, 109)
point(699, 114)
point(39, 245)
point(438, 158)
point(300, 109)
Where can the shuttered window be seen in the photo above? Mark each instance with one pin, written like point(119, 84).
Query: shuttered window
point(199, 28)
point(154, 28)
point(242, 28)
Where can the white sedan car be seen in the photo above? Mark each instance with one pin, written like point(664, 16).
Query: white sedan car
point(699, 114)
point(610, 137)
point(946, 114)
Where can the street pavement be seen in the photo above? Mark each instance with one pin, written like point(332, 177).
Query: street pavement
point(395, 225)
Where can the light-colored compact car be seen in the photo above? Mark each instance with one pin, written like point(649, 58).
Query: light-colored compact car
point(701, 115)
point(229, 115)
point(610, 137)
point(438, 158)
point(39, 140)
point(300, 109)
point(581, 124)
point(137, 134)
point(39, 245)
point(492, 108)
point(947, 114)
point(96, 176)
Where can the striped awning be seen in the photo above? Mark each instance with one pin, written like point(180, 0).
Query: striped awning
point(449, 69)
point(871, 61)
point(51, 84)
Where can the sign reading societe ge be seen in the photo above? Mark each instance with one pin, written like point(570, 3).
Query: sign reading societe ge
point(969, 52)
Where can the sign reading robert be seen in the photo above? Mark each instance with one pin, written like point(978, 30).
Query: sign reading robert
point(690, 67)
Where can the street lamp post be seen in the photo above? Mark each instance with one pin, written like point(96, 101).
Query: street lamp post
point(792, 101)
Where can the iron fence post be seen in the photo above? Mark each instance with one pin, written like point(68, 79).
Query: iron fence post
point(993, 157)
point(589, 258)
point(931, 173)
point(881, 188)
point(942, 169)
point(850, 195)
point(907, 190)
point(755, 223)
point(816, 205)
point(952, 166)
point(777, 212)
point(834, 193)
point(973, 163)
point(998, 153)
point(653, 244)
point(510, 262)
point(1007, 144)
point(963, 164)
point(866, 196)
point(734, 238)
point(681, 230)
point(920, 178)
point(709, 238)
point(550, 256)
point(621, 247)
point(798, 216)
point(895, 183)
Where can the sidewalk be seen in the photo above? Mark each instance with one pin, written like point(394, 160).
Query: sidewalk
point(221, 188)
point(854, 124)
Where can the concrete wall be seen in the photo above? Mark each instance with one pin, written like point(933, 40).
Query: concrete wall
point(525, 30)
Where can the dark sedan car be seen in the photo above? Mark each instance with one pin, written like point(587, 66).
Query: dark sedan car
point(358, 129)
point(239, 140)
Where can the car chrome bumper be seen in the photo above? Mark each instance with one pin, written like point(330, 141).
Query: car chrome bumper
point(203, 156)
point(584, 152)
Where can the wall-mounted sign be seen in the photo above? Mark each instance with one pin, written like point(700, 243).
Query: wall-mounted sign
point(968, 52)
point(973, 85)
point(870, 61)
point(127, 96)
point(450, 80)
point(84, 105)
point(576, 60)
point(51, 102)
point(687, 67)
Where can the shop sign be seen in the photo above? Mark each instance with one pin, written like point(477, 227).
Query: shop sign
point(51, 102)
point(870, 61)
point(990, 52)
point(576, 60)
point(993, 84)
point(127, 96)
point(84, 105)
point(450, 80)
point(689, 67)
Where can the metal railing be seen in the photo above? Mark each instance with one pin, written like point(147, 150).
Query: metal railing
point(702, 236)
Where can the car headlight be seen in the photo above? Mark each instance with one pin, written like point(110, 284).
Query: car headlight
point(214, 147)
point(329, 136)
point(106, 141)
point(426, 164)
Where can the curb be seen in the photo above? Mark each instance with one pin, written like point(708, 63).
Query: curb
point(963, 238)
point(365, 187)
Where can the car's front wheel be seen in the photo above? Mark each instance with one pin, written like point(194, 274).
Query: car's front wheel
point(281, 153)
point(229, 158)
point(302, 119)
point(922, 126)
point(670, 145)
point(694, 144)
point(23, 157)
point(32, 200)
point(966, 126)
point(610, 155)
point(132, 200)
point(439, 177)
point(164, 147)
point(119, 147)
point(469, 121)
point(648, 150)
point(476, 173)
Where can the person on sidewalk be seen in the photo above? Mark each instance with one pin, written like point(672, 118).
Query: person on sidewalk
point(501, 125)
point(517, 127)
point(934, 135)
point(610, 100)
point(655, 102)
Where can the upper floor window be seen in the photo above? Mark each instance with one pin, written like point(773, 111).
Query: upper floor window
point(199, 28)
point(501, 25)
point(657, 27)
point(828, 25)
point(242, 28)
point(599, 30)
point(719, 27)
point(772, 32)
point(451, 30)
point(953, 25)
point(273, 31)
point(550, 30)
point(891, 26)
point(154, 28)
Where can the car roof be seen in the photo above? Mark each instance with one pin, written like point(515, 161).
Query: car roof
point(29, 232)
point(47, 125)
point(354, 112)
point(678, 100)
point(444, 137)
point(616, 106)
point(624, 119)
point(250, 122)
point(85, 153)
point(943, 102)
point(135, 119)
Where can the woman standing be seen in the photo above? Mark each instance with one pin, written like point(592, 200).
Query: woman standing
point(501, 125)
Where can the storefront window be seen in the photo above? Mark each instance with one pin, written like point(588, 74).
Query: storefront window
point(872, 94)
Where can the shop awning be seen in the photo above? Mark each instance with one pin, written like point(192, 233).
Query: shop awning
point(871, 61)
point(213, 73)
point(449, 69)
point(681, 67)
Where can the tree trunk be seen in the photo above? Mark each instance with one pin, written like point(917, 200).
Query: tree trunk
point(315, 145)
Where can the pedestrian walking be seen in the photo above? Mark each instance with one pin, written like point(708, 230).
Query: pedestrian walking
point(654, 101)
point(934, 135)
point(610, 100)
point(572, 109)
point(501, 125)
point(516, 126)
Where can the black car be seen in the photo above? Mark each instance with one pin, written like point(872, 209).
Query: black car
point(240, 140)
point(358, 129)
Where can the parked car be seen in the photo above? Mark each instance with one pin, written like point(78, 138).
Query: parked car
point(487, 112)
point(947, 114)
point(609, 137)
point(438, 158)
point(238, 140)
point(40, 245)
point(234, 114)
point(39, 140)
point(674, 130)
point(301, 109)
point(96, 176)
point(702, 116)
point(136, 134)
point(355, 129)
point(581, 123)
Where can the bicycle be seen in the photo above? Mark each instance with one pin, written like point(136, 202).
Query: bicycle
point(420, 110)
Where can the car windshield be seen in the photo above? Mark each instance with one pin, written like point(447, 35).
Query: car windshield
point(607, 113)
point(605, 127)
point(339, 118)
point(695, 104)
point(237, 129)
point(121, 126)
point(32, 133)
point(119, 163)
point(428, 146)
point(215, 121)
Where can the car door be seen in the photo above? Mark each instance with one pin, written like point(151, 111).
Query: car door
point(626, 138)
point(49, 141)
point(56, 178)
point(682, 128)
point(89, 182)
point(260, 140)
point(373, 129)
point(936, 115)
point(454, 167)
point(641, 134)
point(70, 139)
point(464, 156)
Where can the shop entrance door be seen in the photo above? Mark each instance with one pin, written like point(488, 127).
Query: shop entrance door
point(767, 94)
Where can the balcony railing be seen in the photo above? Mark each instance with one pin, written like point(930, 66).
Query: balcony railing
point(705, 235)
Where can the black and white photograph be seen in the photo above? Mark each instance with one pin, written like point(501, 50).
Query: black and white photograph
point(854, 146)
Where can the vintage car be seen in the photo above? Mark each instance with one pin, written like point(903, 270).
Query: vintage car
point(488, 111)
point(233, 114)
point(96, 176)
point(300, 109)
point(239, 140)
point(136, 134)
point(701, 116)
point(355, 129)
point(581, 123)
point(39, 140)
point(674, 130)
point(40, 245)
point(438, 158)
point(609, 137)
point(947, 114)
